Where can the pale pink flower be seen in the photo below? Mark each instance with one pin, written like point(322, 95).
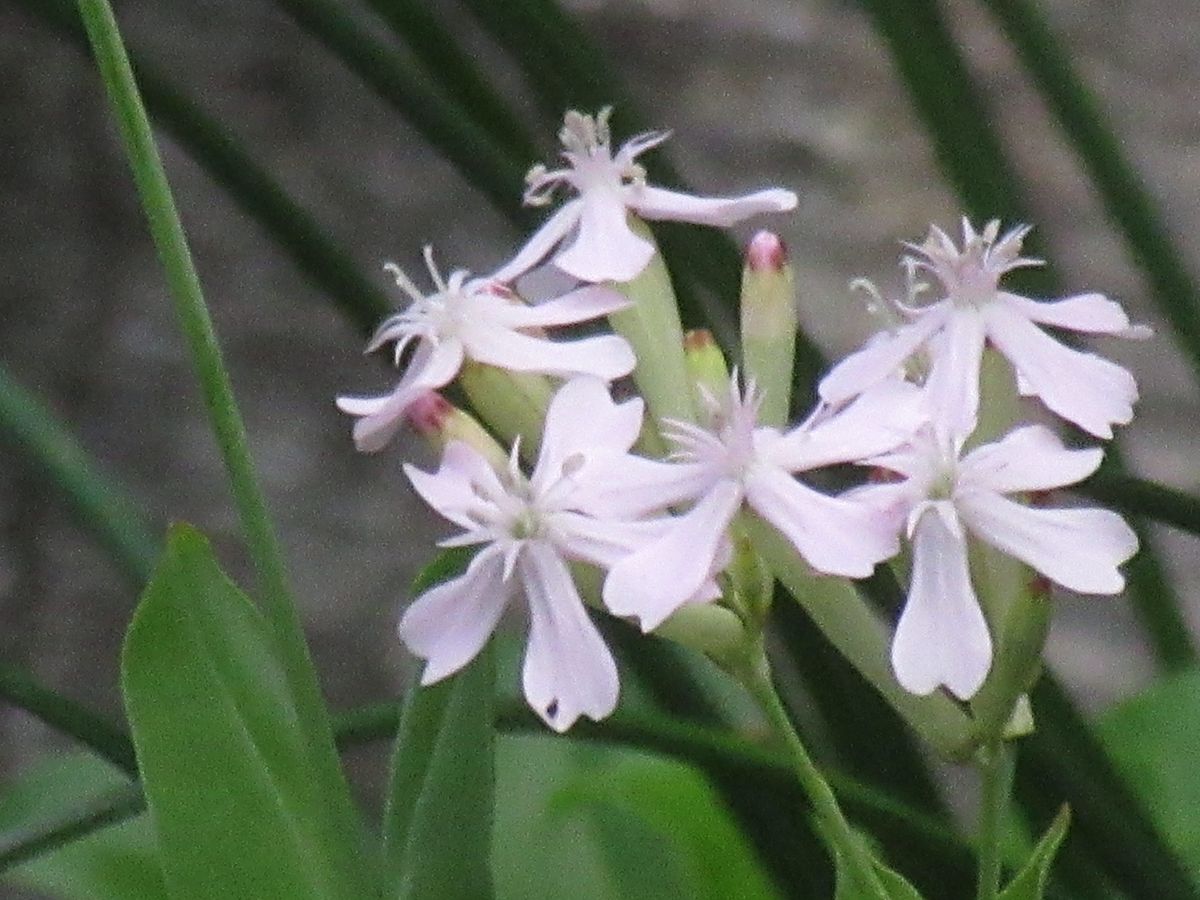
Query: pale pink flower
point(600, 245)
point(736, 463)
point(481, 319)
point(528, 529)
point(1081, 387)
point(942, 637)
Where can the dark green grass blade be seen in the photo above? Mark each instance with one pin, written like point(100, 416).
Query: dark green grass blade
point(247, 183)
point(1128, 203)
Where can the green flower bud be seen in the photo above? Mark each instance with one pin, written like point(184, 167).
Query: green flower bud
point(652, 327)
point(769, 325)
point(440, 423)
point(513, 404)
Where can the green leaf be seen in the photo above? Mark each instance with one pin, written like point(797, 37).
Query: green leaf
point(116, 863)
point(438, 823)
point(1152, 739)
point(237, 802)
point(894, 884)
point(446, 565)
point(1030, 883)
point(663, 830)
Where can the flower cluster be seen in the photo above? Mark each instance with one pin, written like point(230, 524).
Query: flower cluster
point(656, 504)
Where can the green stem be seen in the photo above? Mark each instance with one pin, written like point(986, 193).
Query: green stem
point(101, 506)
point(27, 844)
point(1140, 497)
point(101, 736)
point(996, 764)
point(167, 231)
point(849, 848)
point(279, 609)
point(708, 748)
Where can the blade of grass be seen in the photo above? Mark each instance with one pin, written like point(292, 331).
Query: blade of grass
point(721, 755)
point(974, 160)
point(99, 505)
point(463, 80)
point(970, 152)
point(487, 166)
point(101, 736)
point(1129, 205)
point(1105, 813)
point(34, 842)
point(247, 183)
point(168, 235)
point(1147, 499)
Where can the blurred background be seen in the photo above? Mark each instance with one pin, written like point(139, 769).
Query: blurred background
point(796, 93)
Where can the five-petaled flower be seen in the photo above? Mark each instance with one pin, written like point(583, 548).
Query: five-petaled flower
point(481, 319)
point(942, 637)
point(736, 462)
point(528, 529)
point(1082, 388)
point(604, 247)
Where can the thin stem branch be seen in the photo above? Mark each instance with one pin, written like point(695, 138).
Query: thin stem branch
point(101, 736)
point(996, 764)
point(169, 238)
point(100, 505)
point(837, 831)
point(21, 846)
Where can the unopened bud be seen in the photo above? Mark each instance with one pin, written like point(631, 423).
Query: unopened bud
point(1015, 666)
point(441, 423)
point(769, 325)
point(766, 252)
point(512, 404)
point(706, 367)
point(713, 630)
point(652, 327)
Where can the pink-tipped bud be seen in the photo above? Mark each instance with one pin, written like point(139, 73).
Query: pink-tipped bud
point(766, 252)
point(769, 325)
point(428, 414)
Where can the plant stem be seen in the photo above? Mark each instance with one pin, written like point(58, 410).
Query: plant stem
point(101, 736)
point(851, 851)
point(996, 765)
point(176, 259)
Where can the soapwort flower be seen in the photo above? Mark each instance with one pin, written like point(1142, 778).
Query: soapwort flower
point(942, 637)
point(604, 247)
point(528, 528)
point(1081, 387)
point(737, 462)
point(481, 319)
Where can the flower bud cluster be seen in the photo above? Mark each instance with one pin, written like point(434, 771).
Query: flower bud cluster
point(655, 493)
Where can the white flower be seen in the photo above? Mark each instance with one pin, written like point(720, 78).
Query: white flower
point(604, 247)
point(738, 462)
point(942, 637)
point(528, 529)
point(480, 319)
point(1083, 388)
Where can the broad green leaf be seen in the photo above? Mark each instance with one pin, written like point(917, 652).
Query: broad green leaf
point(1030, 882)
point(438, 824)
point(237, 808)
point(1154, 739)
point(663, 830)
point(116, 863)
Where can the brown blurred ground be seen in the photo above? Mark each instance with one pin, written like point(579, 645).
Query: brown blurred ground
point(795, 93)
